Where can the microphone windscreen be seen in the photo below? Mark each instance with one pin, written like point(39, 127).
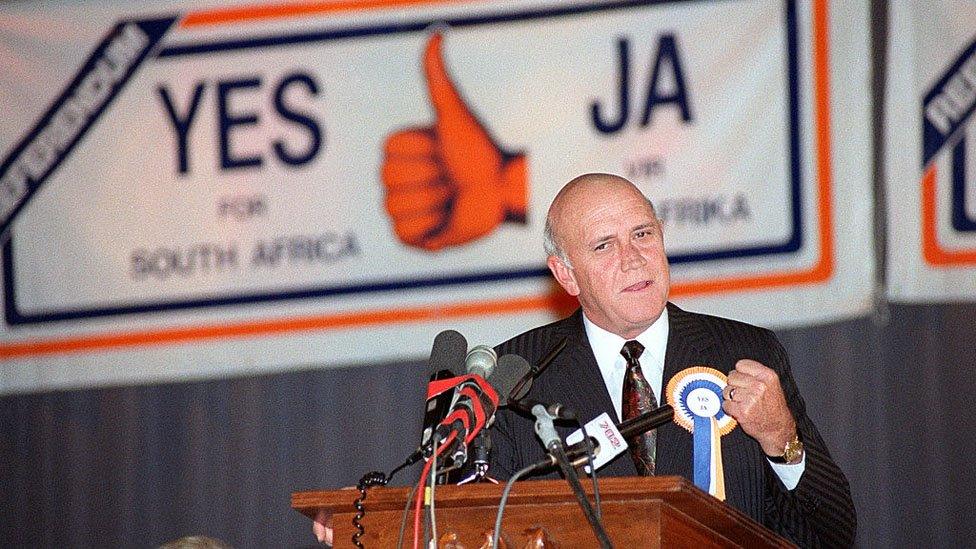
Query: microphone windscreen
point(510, 369)
point(447, 353)
point(481, 361)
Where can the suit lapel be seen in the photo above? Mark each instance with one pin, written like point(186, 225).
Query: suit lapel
point(580, 376)
point(688, 342)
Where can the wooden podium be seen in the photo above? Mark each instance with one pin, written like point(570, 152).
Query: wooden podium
point(637, 512)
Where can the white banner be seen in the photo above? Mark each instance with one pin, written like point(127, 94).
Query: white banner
point(931, 151)
point(189, 192)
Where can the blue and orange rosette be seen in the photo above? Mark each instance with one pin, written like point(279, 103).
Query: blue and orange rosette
point(696, 395)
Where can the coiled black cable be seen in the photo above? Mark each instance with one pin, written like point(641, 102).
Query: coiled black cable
point(370, 479)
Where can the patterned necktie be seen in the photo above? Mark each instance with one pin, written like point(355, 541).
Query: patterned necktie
point(638, 399)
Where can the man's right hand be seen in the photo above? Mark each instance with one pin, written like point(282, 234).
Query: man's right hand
point(322, 527)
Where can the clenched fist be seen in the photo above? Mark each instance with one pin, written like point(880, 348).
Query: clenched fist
point(754, 397)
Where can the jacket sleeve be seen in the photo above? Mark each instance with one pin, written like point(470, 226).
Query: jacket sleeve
point(819, 512)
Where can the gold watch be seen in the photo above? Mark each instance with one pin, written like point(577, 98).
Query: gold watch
point(792, 453)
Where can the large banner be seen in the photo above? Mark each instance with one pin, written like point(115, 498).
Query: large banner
point(207, 189)
point(931, 151)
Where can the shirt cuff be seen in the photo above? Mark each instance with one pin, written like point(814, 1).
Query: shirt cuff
point(790, 474)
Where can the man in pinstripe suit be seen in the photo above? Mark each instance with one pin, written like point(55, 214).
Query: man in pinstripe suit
point(605, 246)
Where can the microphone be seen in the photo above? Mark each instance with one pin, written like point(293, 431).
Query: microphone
point(525, 405)
point(481, 361)
point(480, 364)
point(525, 382)
point(556, 410)
point(439, 397)
point(476, 398)
point(646, 421)
point(546, 431)
point(506, 371)
point(577, 455)
point(511, 369)
point(473, 409)
point(446, 352)
point(445, 359)
point(627, 429)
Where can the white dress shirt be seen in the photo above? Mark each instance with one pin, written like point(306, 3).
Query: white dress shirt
point(606, 348)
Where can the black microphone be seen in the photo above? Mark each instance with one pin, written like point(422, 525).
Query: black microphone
point(510, 370)
point(646, 421)
point(447, 353)
point(525, 405)
point(445, 362)
point(438, 404)
point(525, 383)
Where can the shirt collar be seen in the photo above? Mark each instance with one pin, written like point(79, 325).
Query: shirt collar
point(606, 349)
point(608, 344)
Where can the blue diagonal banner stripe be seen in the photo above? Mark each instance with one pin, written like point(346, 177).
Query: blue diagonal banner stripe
point(949, 103)
point(84, 99)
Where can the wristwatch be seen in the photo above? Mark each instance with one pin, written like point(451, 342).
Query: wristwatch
point(791, 454)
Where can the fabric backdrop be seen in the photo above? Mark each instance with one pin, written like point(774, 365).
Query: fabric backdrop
point(136, 465)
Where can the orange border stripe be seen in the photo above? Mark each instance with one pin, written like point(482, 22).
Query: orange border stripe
point(261, 12)
point(933, 252)
point(556, 302)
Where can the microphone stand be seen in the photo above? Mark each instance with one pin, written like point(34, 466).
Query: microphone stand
point(519, 390)
point(546, 430)
point(481, 447)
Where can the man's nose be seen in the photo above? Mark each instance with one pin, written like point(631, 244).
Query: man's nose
point(632, 258)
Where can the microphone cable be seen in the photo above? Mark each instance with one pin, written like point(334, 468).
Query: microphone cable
point(421, 487)
point(496, 535)
point(430, 507)
point(404, 515)
point(589, 463)
point(501, 504)
point(370, 479)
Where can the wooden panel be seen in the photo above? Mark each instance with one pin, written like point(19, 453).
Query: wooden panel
point(645, 512)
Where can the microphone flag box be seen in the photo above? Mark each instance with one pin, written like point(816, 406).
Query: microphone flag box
point(608, 438)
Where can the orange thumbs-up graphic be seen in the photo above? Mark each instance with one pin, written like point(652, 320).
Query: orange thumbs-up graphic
point(450, 183)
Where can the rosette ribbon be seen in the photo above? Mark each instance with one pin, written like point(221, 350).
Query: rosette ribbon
point(696, 396)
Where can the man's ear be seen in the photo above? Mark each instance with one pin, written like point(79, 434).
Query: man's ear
point(564, 275)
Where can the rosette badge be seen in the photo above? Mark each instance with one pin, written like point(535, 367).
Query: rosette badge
point(696, 395)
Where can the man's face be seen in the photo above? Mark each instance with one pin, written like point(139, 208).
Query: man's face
point(616, 248)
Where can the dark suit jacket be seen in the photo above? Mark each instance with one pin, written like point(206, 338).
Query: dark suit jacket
point(818, 512)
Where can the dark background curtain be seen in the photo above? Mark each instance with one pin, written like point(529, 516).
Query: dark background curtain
point(136, 466)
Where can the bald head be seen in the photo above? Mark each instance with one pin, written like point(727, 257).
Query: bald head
point(606, 247)
point(571, 198)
